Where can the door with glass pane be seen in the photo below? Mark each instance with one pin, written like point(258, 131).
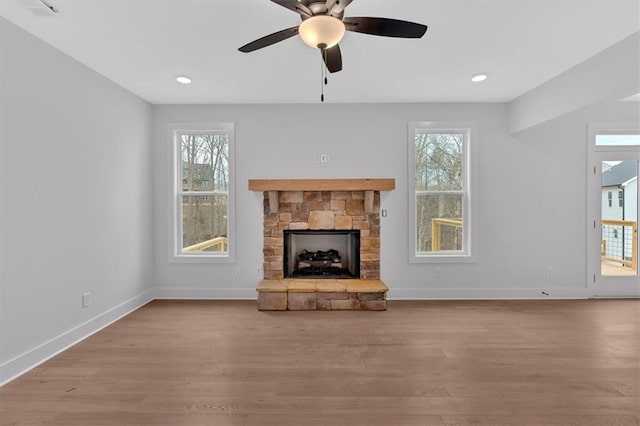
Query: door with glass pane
point(613, 215)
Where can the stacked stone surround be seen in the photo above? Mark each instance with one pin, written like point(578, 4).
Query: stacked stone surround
point(322, 210)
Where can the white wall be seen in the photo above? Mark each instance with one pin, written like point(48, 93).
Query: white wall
point(76, 200)
point(530, 192)
point(607, 76)
point(572, 130)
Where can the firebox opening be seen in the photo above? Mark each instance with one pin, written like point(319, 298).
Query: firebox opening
point(321, 254)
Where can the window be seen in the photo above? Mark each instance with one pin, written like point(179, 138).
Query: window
point(620, 198)
point(203, 192)
point(610, 198)
point(439, 179)
point(618, 139)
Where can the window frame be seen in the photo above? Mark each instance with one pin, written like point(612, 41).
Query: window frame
point(604, 129)
point(176, 255)
point(467, 255)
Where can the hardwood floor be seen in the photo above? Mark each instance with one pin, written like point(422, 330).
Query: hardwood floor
point(419, 363)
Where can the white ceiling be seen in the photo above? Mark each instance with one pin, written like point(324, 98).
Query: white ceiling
point(143, 44)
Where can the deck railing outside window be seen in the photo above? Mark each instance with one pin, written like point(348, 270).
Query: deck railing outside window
point(446, 234)
point(216, 244)
point(620, 242)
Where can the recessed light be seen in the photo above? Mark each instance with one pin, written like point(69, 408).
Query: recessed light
point(479, 77)
point(183, 79)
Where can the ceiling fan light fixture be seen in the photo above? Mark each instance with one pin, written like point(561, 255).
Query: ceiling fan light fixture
point(183, 79)
point(321, 30)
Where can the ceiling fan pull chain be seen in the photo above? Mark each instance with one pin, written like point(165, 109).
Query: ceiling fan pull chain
point(324, 66)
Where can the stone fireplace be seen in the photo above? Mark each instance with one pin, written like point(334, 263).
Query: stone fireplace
point(326, 211)
point(344, 217)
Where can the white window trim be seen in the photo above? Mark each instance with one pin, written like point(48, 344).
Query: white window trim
point(175, 234)
point(469, 203)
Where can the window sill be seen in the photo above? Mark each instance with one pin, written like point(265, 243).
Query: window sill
point(462, 258)
point(201, 259)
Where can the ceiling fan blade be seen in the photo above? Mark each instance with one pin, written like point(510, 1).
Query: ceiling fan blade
point(332, 58)
point(294, 5)
point(385, 27)
point(269, 40)
point(337, 7)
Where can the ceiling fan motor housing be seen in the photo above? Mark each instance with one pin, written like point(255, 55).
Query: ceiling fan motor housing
point(319, 8)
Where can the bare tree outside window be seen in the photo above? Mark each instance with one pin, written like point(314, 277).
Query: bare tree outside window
point(439, 191)
point(204, 191)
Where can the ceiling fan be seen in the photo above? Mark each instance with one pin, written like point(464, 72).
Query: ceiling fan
point(323, 26)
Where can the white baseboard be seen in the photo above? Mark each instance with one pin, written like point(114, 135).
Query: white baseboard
point(394, 293)
point(487, 293)
point(21, 364)
point(206, 293)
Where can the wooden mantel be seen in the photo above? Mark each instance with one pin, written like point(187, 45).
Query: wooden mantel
point(368, 185)
point(322, 184)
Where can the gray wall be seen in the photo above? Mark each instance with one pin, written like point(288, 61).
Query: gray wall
point(76, 200)
point(530, 193)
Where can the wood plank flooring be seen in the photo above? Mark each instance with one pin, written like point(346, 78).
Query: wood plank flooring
point(419, 363)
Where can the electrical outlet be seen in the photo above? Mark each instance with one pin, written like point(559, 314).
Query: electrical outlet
point(236, 273)
point(324, 158)
point(86, 299)
point(548, 272)
point(439, 272)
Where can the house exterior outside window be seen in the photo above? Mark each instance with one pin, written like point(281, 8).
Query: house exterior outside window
point(202, 193)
